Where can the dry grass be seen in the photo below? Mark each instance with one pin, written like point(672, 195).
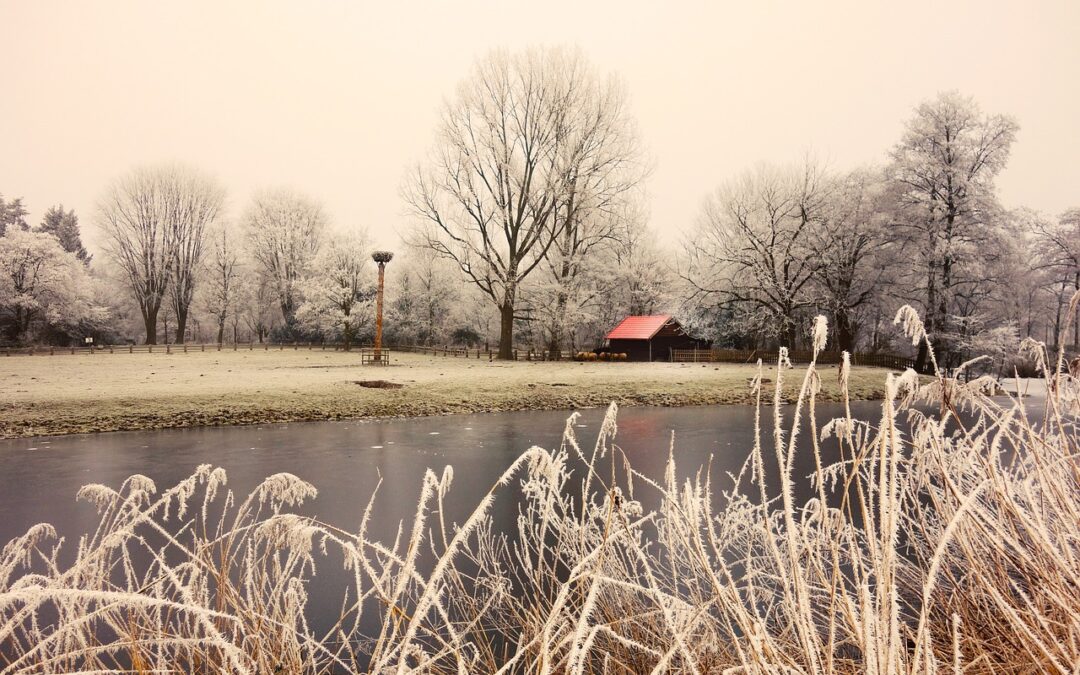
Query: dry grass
point(107, 392)
point(941, 544)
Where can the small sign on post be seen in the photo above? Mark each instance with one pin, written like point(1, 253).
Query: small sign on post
point(89, 343)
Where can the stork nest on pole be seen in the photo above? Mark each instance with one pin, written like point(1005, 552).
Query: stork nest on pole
point(382, 257)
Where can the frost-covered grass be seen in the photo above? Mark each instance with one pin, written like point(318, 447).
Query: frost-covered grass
point(105, 392)
point(938, 544)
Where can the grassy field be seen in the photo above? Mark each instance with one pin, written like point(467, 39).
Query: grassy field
point(47, 395)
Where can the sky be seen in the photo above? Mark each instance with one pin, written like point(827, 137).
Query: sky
point(340, 99)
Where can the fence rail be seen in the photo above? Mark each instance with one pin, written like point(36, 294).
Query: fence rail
point(767, 356)
point(458, 352)
point(170, 348)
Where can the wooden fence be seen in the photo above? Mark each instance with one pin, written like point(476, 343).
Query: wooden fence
point(770, 356)
point(170, 348)
point(458, 352)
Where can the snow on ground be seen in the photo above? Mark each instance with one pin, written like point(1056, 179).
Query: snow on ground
point(46, 395)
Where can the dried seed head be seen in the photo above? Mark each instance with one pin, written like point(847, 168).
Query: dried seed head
point(820, 333)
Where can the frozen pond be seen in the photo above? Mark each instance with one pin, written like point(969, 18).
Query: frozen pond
point(345, 460)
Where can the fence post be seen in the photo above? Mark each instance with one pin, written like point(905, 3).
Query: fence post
point(168, 348)
point(149, 349)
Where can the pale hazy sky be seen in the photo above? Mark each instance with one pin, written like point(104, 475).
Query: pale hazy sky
point(339, 99)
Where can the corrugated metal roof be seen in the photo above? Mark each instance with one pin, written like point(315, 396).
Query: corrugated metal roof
point(638, 327)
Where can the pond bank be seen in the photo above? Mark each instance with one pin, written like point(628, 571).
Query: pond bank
point(62, 394)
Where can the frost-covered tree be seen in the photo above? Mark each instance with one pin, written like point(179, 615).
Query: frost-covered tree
point(12, 215)
point(257, 301)
point(64, 225)
point(42, 286)
point(339, 292)
point(851, 245)
point(221, 288)
point(602, 169)
point(943, 170)
point(751, 255)
point(154, 220)
point(1057, 245)
point(523, 143)
point(425, 290)
point(284, 231)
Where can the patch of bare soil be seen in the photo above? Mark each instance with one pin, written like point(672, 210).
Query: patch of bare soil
point(379, 384)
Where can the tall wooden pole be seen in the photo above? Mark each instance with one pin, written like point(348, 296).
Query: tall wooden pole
point(378, 311)
point(380, 257)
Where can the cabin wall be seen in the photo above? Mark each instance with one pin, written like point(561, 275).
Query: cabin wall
point(638, 350)
point(635, 350)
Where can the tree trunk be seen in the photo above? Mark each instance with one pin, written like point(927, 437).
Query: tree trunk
point(790, 333)
point(181, 325)
point(553, 349)
point(929, 321)
point(221, 331)
point(1076, 319)
point(506, 331)
point(845, 333)
point(150, 322)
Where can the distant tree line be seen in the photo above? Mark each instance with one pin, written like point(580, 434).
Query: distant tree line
point(778, 244)
point(530, 230)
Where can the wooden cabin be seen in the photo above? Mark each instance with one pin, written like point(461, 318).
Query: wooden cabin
point(650, 338)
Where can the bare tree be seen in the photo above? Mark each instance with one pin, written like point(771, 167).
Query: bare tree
point(520, 144)
point(944, 168)
point(284, 230)
point(154, 220)
point(222, 282)
point(753, 249)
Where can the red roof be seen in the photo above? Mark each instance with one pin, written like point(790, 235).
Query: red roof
point(638, 327)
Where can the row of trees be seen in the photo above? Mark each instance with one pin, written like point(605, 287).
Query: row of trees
point(277, 274)
point(281, 274)
point(780, 243)
point(532, 196)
